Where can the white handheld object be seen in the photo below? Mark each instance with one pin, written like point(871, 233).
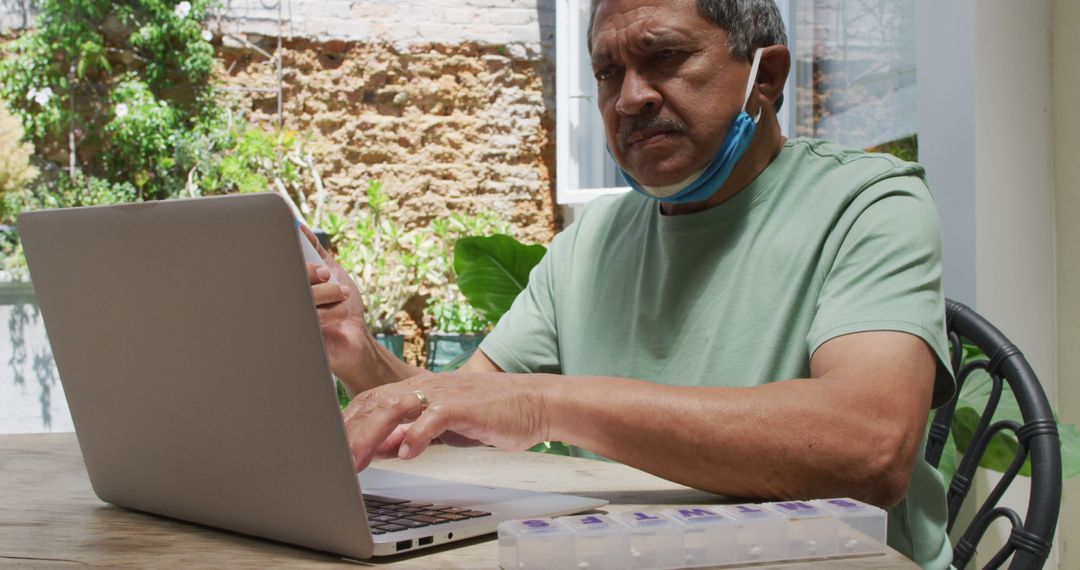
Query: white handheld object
point(311, 255)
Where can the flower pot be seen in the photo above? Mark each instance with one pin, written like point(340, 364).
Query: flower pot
point(395, 343)
point(449, 351)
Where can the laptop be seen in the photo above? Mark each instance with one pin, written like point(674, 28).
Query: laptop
point(190, 352)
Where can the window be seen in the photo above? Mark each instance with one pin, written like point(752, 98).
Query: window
point(584, 170)
point(853, 73)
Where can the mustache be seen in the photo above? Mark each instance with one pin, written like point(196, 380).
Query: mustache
point(640, 123)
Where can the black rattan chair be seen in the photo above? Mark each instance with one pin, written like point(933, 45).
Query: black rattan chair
point(1031, 537)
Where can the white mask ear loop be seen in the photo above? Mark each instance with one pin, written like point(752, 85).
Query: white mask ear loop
point(750, 83)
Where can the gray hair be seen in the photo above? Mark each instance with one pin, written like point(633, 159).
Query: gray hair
point(749, 24)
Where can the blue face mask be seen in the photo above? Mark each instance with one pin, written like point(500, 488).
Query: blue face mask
point(700, 185)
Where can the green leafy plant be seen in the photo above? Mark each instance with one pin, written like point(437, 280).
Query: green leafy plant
point(971, 401)
point(449, 310)
point(117, 102)
point(492, 271)
point(16, 171)
point(109, 91)
point(375, 250)
point(16, 174)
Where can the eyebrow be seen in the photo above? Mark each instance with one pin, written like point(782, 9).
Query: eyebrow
point(649, 40)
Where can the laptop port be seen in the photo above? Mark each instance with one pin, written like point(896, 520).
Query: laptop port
point(404, 545)
point(425, 540)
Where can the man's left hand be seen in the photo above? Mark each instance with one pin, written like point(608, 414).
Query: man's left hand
point(502, 410)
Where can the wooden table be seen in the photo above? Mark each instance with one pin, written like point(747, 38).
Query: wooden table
point(49, 516)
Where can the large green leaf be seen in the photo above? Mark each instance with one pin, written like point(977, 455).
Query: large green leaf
point(492, 271)
point(1070, 450)
point(1003, 447)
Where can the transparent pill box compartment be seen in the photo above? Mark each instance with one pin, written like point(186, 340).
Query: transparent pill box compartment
point(688, 537)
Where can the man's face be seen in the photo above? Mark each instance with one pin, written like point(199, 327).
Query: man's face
point(668, 86)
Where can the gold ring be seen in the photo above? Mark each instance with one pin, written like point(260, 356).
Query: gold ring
point(423, 400)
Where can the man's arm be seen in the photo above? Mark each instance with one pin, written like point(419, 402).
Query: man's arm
point(851, 430)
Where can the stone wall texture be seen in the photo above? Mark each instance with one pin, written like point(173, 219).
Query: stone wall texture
point(445, 127)
point(449, 103)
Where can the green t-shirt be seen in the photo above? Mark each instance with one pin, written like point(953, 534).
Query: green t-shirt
point(825, 242)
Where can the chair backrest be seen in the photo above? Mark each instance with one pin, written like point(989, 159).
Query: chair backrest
point(1031, 537)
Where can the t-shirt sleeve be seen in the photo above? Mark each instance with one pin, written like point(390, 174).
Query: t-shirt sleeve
point(526, 339)
point(887, 272)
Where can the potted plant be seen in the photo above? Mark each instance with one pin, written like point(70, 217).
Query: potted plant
point(455, 328)
point(376, 253)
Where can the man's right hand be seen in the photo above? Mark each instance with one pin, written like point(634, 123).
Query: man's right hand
point(349, 344)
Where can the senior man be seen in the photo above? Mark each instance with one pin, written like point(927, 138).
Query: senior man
point(762, 318)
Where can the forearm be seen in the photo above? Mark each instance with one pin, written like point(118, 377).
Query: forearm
point(375, 366)
point(793, 439)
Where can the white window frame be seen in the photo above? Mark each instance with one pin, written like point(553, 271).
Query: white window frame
point(572, 68)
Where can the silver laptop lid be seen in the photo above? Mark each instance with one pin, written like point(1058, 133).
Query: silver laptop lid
point(189, 349)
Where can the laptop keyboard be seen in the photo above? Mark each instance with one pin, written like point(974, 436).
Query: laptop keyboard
point(386, 514)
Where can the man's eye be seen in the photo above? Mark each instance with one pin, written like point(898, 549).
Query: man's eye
point(604, 74)
point(665, 54)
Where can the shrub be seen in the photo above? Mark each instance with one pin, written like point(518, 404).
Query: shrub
point(16, 172)
point(109, 91)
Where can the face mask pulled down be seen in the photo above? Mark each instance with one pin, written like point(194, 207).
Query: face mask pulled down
point(702, 184)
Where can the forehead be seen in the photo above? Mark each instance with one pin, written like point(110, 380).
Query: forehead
point(646, 21)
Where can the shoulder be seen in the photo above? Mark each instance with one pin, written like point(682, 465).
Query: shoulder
point(851, 177)
point(813, 159)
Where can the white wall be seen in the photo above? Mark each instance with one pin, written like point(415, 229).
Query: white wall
point(15, 14)
point(945, 83)
point(985, 132)
point(521, 25)
point(525, 27)
point(31, 398)
point(1014, 216)
point(1065, 90)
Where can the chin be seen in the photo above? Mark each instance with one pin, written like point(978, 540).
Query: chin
point(657, 177)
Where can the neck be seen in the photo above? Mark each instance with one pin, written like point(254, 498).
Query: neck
point(764, 148)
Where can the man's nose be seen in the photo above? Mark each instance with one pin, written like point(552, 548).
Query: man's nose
point(637, 95)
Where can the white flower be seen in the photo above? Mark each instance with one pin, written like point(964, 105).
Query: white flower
point(206, 35)
point(121, 110)
point(182, 9)
point(42, 96)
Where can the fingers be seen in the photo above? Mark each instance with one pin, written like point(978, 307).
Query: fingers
point(389, 447)
point(329, 294)
point(332, 314)
point(431, 424)
point(317, 273)
point(371, 418)
point(314, 241)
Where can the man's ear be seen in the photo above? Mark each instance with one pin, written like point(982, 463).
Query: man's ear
point(772, 74)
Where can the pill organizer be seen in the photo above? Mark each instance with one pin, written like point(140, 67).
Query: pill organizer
point(695, 536)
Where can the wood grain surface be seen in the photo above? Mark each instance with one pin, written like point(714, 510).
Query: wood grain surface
point(50, 517)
